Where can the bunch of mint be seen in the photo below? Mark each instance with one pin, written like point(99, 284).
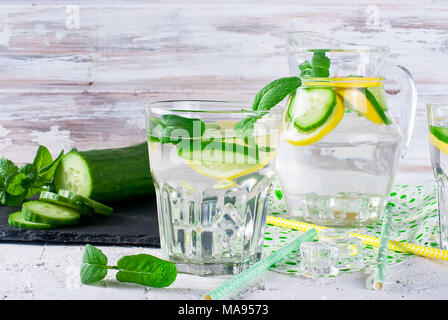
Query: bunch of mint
point(18, 184)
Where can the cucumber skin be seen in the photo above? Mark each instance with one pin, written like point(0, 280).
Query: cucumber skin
point(117, 174)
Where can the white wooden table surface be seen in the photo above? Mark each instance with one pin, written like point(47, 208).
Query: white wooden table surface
point(79, 74)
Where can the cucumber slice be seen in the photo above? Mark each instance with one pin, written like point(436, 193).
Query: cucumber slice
point(376, 97)
point(66, 202)
point(312, 108)
point(17, 219)
point(44, 212)
point(95, 206)
point(440, 133)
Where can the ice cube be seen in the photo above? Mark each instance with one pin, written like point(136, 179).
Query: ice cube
point(348, 246)
point(319, 258)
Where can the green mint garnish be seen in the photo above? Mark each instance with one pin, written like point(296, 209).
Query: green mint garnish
point(16, 184)
point(94, 265)
point(146, 270)
point(267, 98)
point(174, 128)
point(141, 269)
point(318, 67)
point(274, 92)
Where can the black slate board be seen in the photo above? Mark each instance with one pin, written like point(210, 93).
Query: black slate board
point(131, 223)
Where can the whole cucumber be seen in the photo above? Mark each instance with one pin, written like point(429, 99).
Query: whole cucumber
point(106, 175)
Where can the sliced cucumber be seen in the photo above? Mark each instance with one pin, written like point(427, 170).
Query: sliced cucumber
point(95, 206)
point(66, 201)
point(17, 219)
point(376, 97)
point(44, 212)
point(312, 108)
point(440, 133)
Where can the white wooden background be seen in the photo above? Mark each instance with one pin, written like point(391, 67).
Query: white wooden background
point(79, 73)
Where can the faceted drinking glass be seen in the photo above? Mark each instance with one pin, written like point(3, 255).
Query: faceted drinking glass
point(438, 148)
point(212, 175)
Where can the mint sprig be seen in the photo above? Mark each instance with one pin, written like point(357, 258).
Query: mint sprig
point(267, 98)
point(141, 269)
point(174, 128)
point(318, 67)
point(18, 184)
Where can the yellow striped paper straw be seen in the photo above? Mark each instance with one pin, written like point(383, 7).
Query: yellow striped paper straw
point(374, 241)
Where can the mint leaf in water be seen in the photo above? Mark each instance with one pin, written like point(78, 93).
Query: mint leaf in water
point(146, 270)
point(43, 158)
point(94, 265)
point(319, 66)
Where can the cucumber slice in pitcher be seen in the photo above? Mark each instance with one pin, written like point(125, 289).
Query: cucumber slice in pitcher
point(49, 213)
point(312, 108)
point(17, 219)
point(61, 200)
point(376, 97)
point(95, 206)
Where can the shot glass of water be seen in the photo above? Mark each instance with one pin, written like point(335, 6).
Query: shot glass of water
point(438, 145)
point(212, 164)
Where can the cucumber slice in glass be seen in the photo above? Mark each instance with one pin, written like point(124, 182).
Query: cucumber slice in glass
point(17, 219)
point(49, 213)
point(95, 206)
point(440, 133)
point(61, 200)
point(312, 108)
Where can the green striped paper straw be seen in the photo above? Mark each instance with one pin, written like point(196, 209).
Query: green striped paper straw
point(376, 279)
point(254, 271)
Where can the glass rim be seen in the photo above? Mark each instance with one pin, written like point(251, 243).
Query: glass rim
point(432, 105)
point(327, 81)
point(344, 47)
point(228, 106)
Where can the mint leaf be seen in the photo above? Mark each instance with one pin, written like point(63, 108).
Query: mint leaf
point(246, 125)
point(319, 66)
point(14, 201)
point(146, 270)
point(274, 92)
point(47, 173)
point(7, 167)
point(43, 158)
point(94, 265)
point(16, 184)
point(175, 128)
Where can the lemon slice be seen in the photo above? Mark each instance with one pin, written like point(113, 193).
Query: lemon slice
point(346, 82)
point(356, 100)
point(224, 184)
point(220, 169)
point(296, 138)
point(442, 146)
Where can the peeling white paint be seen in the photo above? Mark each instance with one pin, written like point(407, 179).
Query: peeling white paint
point(55, 139)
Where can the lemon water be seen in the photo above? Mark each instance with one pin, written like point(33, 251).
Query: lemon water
point(343, 179)
point(211, 211)
point(438, 147)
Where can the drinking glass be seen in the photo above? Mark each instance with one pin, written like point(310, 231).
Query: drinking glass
point(212, 176)
point(438, 148)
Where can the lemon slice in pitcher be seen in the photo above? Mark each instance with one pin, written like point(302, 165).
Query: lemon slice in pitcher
point(345, 82)
point(312, 118)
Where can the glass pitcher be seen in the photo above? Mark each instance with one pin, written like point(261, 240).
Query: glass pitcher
point(340, 142)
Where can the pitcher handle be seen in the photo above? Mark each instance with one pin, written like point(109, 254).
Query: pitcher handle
point(408, 101)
